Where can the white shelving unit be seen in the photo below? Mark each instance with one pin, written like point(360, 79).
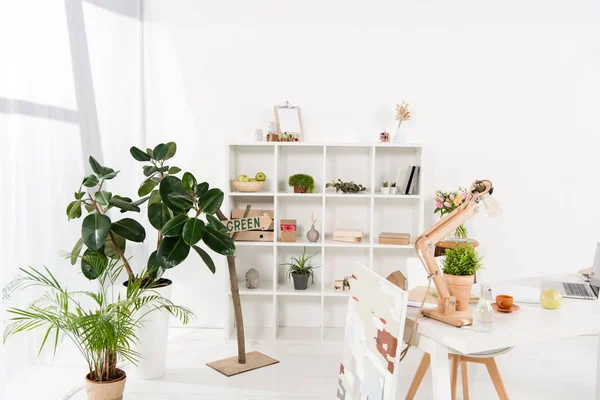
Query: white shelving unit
point(277, 312)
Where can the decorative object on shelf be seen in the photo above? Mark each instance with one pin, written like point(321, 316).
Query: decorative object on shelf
point(313, 235)
point(272, 137)
point(394, 238)
point(259, 135)
point(402, 114)
point(346, 187)
point(385, 187)
point(384, 137)
point(252, 279)
point(551, 299)
point(302, 183)
point(445, 203)
point(393, 188)
point(483, 316)
point(338, 285)
point(348, 235)
point(347, 280)
point(289, 122)
point(246, 184)
point(411, 182)
point(288, 230)
point(459, 268)
point(300, 270)
point(373, 338)
point(256, 232)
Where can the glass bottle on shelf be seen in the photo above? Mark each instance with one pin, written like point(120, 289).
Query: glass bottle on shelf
point(483, 316)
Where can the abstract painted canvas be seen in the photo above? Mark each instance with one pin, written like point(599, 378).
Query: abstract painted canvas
point(373, 338)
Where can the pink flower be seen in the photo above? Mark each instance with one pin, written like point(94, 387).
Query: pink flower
point(447, 204)
point(464, 195)
point(440, 198)
point(451, 196)
point(438, 204)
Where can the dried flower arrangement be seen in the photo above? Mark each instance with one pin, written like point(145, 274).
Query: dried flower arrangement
point(402, 113)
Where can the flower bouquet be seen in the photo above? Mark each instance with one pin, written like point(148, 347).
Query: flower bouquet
point(445, 203)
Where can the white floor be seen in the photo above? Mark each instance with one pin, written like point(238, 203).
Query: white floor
point(564, 369)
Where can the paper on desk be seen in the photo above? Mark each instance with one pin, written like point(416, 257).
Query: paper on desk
point(521, 294)
point(415, 298)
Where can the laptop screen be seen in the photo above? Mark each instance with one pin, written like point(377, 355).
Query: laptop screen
point(595, 278)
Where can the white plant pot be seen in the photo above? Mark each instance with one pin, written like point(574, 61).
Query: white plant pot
point(385, 190)
point(393, 190)
point(153, 339)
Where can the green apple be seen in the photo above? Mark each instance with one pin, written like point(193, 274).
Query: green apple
point(242, 178)
point(261, 177)
point(550, 299)
point(252, 180)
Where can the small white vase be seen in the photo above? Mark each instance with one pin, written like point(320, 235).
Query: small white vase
point(153, 338)
point(393, 190)
point(385, 190)
point(400, 136)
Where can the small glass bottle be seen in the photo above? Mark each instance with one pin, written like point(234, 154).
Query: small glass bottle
point(483, 316)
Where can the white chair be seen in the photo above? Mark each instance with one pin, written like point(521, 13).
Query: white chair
point(416, 276)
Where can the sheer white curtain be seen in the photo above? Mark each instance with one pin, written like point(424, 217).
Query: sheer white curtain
point(69, 87)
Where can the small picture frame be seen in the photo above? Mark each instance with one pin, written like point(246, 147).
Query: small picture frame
point(289, 123)
point(338, 285)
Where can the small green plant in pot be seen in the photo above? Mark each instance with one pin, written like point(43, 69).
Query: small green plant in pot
point(459, 269)
point(302, 183)
point(300, 270)
point(385, 187)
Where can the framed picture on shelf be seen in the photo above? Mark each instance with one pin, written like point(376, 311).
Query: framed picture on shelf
point(289, 123)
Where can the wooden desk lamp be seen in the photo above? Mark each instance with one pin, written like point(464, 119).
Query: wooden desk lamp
point(446, 310)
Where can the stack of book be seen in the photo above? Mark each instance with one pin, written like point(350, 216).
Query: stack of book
point(348, 235)
point(394, 238)
point(411, 182)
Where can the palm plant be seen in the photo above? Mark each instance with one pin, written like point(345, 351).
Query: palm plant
point(103, 333)
point(300, 266)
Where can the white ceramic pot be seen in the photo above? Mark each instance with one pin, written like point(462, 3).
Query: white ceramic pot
point(393, 189)
point(153, 338)
point(385, 190)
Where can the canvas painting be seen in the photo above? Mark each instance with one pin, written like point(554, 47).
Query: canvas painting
point(373, 338)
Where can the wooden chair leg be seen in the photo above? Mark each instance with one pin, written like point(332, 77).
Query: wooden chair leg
point(454, 363)
point(414, 386)
point(465, 380)
point(492, 368)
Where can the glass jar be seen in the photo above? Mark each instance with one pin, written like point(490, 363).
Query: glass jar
point(483, 316)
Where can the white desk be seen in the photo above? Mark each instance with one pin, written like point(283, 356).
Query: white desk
point(531, 324)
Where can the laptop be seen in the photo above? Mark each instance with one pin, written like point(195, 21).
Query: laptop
point(587, 291)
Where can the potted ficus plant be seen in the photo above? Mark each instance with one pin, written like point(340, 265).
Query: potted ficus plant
point(460, 265)
point(300, 270)
point(103, 326)
point(302, 183)
point(175, 208)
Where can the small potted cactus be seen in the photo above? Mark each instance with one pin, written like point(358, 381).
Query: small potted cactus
point(393, 188)
point(385, 187)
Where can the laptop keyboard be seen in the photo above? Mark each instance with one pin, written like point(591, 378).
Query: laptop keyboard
point(576, 289)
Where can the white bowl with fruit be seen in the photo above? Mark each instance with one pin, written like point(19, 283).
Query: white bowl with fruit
point(246, 184)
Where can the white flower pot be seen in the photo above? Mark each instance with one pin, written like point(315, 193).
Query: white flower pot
point(385, 190)
point(153, 338)
point(393, 190)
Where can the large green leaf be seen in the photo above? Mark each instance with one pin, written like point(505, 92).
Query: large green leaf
point(174, 227)
point(158, 215)
point(160, 151)
point(90, 181)
point(108, 174)
point(141, 201)
point(123, 204)
point(109, 248)
point(153, 267)
point(201, 189)
point(150, 152)
point(79, 195)
point(188, 181)
point(174, 170)
point(130, 229)
point(181, 201)
point(94, 230)
point(139, 154)
point(75, 252)
point(74, 209)
point(171, 150)
point(96, 167)
point(149, 169)
point(172, 251)
point(215, 223)
point(211, 201)
point(193, 230)
point(170, 184)
point(93, 264)
point(155, 197)
point(103, 197)
point(206, 258)
point(218, 242)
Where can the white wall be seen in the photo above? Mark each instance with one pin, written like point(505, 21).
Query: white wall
point(505, 91)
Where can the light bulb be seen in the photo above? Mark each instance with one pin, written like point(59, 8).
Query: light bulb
point(492, 207)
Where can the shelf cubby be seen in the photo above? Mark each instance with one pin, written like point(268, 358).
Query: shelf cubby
point(349, 163)
point(299, 318)
point(300, 160)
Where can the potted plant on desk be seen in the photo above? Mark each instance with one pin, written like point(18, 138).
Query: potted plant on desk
point(459, 268)
point(300, 271)
point(302, 183)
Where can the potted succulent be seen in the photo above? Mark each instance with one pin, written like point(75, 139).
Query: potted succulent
point(460, 265)
point(385, 187)
point(302, 183)
point(393, 188)
point(103, 326)
point(300, 270)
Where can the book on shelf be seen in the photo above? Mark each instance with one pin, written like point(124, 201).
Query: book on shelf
point(348, 235)
point(411, 181)
point(394, 238)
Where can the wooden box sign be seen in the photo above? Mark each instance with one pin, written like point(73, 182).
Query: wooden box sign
point(394, 238)
point(255, 228)
point(238, 214)
point(288, 230)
